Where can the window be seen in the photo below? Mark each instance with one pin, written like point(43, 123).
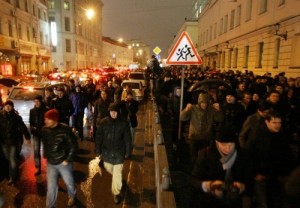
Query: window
point(276, 53)
point(51, 4)
point(10, 28)
point(41, 37)
point(66, 5)
point(235, 60)
point(68, 45)
point(260, 50)
point(238, 15)
point(39, 13)
point(210, 33)
point(18, 3)
point(263, 4)
point(33, 10)
point(20, 31)
point(45, 16)
point(221, 26)
point(246, 56)
point(229, 58)
point(232, 14)
point(223, 59)
point(225, 23)
point(295, 61)
point(248, 10)
point(67, 24)
point(28, 33)
point(215, 32)
point(26, 5)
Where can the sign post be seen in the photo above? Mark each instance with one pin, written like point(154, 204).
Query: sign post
point(183, 53)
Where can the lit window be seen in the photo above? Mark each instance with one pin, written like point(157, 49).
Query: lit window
point(51, 4)
point(66, 5)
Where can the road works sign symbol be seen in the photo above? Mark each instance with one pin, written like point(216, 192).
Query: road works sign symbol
point(156, 50)
point(184, 52)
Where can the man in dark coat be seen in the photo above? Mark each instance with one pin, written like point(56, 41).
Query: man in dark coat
point(36, 121)
point(64, 106)
point(272, 160)
point(113, 145)
point(12, 130)
point(221, 174)
point(60, 147)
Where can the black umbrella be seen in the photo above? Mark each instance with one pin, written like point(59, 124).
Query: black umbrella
point(207, 84)
point(8, 82)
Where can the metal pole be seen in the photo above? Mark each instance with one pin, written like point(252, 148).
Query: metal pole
point(181, 102)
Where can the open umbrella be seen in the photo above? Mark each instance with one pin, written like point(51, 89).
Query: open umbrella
point(207, 84)
point(8, 82)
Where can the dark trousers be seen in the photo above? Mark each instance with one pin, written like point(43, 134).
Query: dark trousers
point(195, 147)
point(78, 123)
point(37, 151)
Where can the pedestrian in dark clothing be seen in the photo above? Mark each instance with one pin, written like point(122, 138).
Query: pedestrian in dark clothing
point(234, 113)
point(49, 96)
point(60, 147)
point(221, 174)
point(80, 102)
point(100, 110)
point(292, 189)
point(116, 131)
point(36, 121)
point(131, 109)
point(272, 160)
point(12, 130)
point(252, 124)
point(63, 105)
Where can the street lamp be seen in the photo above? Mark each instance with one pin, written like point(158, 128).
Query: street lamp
point(282, 35)
point(90, 13)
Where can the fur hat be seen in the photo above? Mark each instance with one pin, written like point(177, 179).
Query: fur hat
point(9, 102)
point(52, 114)
point(203, 98)
point(226, 134)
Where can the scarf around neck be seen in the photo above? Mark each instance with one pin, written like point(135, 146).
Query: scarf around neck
point(227, 160)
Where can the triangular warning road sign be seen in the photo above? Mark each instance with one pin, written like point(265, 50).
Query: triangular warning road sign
point(184, 52)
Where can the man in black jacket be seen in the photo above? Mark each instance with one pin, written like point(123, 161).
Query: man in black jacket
point(113, 145)
point(59, 149)
point(36, 121)
point(12, 129)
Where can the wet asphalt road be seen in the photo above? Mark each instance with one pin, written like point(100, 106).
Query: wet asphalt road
point(93, 183)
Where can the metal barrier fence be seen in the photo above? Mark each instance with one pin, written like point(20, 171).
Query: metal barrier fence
point(164, 196)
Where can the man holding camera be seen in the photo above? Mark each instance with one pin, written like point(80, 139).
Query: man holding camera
point(221, 174)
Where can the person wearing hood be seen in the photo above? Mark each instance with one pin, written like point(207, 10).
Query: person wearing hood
point(202, 118)
point(114, 130)
point(36, 121)
point(12, 130)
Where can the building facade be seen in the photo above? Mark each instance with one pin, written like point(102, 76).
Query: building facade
point(261, 36)
point(116, 53)
point(24, 37)
point(76, 33)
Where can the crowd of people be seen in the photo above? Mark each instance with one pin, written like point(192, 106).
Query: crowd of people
point(56, 122)
point(241, 127)
point(243, 135)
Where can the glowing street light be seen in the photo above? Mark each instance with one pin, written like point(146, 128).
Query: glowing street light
point(90, 13)
point(120, 40)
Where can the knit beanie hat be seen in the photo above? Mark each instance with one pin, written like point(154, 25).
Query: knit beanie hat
point(226, 134)
point(52, 114)
point(113, 107)
point(9, 102)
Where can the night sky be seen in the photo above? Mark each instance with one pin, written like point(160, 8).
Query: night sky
point(154, 22)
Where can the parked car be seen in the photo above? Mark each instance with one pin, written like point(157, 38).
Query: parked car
point(137, 87)
point(139, 76)
point(23, 95)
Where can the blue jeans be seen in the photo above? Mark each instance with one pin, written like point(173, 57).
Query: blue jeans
point(10, 153)
point(37, 151)
point(53, 172)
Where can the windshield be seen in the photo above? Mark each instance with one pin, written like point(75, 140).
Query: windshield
point(136, 76)
point(25, 93)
